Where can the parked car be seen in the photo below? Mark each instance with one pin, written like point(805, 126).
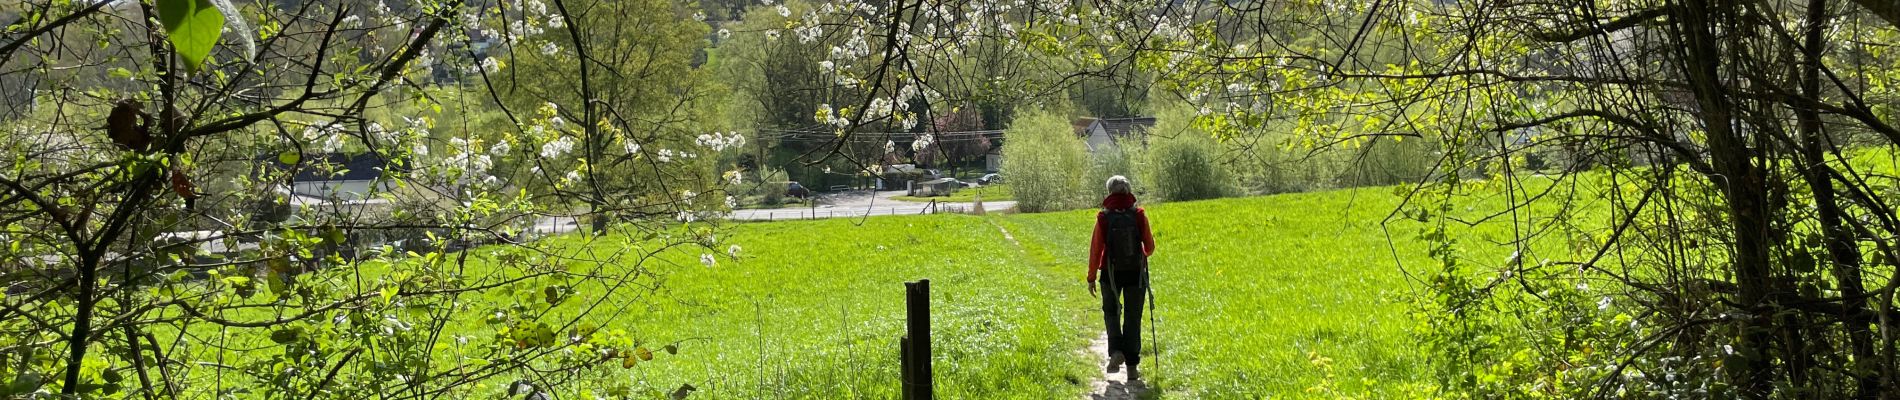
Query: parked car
point(990, 179)
point(798, 191)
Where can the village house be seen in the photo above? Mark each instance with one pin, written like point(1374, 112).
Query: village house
point(1102, 134)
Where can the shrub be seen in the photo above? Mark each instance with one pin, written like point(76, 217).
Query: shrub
point(1127, 161)
point(1183, 163)
point(1045, 162)
point(1387, 161)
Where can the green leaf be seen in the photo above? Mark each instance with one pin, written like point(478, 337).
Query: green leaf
point(287, 335)
point(289, 157)
point(192, 26)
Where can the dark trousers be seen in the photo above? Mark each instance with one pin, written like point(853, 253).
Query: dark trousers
point(1129, 288)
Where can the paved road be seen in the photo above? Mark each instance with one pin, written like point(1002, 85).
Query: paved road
point(859, 204)
point(843, 205)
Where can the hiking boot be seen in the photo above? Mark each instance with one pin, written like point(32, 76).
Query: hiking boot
point(1133, 374)
point(1115, 362)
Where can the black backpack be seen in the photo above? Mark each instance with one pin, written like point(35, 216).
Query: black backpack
point(1121, 232)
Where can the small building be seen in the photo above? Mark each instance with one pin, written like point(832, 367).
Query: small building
point(1102, 134)
point(338, 176)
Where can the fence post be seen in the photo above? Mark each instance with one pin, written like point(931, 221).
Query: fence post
point(904, 369)
point(917, 341)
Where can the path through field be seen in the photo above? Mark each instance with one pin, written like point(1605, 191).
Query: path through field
point(1112, 386)
point(1107, 386)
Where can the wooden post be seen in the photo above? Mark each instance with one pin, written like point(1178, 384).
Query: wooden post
point(904, 369)
point(917, 302)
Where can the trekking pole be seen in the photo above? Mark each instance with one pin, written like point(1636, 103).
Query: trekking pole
point(1155, 332)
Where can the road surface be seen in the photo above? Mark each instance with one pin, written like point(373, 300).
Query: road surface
point(842, 205)
point(859, 204)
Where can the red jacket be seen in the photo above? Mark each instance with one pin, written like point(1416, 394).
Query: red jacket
point(1098, 249)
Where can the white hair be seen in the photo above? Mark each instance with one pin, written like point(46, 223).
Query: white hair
point(1118, 184)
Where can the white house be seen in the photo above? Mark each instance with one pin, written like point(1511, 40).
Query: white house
point(1102, 133)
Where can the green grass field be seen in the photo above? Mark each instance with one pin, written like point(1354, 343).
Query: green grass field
point(1249, 294)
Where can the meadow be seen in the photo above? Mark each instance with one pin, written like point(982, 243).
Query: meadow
point(1250, 293)
point(1298, 295)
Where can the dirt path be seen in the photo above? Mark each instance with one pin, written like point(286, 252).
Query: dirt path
point(1107, 386)
point(1114, 386)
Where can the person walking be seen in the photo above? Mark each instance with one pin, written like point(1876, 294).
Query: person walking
point(1119, 251)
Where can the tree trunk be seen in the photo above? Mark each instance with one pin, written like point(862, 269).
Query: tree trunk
point(1743, 188)
point(1841, 246)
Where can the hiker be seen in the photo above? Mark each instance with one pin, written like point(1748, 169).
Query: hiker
point(1121, 246)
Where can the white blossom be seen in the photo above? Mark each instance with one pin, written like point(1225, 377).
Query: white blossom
point(879, 107)
point(922, 143)
point(733, 251)
point(808, 34)
point(708, 260)
point(549, 48)
point(382, 135)
point(332, 143)
point(783, 11)
point(500, 149)
point(631, 146)
point(557, 147)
